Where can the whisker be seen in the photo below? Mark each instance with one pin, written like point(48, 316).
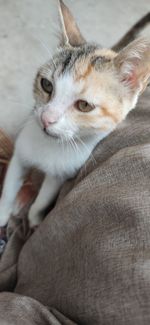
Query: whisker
point(47, 49)
point(75, 144)
point(69, 141)
point(84, 162)
point(90, 153)
point(62, 142)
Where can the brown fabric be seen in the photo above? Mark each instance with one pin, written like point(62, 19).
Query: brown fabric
point(21, 310)
point(89, 260)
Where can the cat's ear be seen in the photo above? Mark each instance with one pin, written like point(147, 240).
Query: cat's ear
point(70, 31)
point(133, 65)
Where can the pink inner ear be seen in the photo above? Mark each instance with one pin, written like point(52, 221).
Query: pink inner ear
point(131, 79)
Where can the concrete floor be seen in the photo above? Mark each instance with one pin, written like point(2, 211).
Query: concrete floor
point(26, 24)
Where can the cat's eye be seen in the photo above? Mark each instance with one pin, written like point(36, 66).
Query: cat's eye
point(46, 86)
point(84, 106)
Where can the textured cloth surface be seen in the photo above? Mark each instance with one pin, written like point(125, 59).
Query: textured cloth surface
point(90, 258)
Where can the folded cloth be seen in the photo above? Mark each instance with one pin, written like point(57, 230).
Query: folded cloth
point(89, 260)
point(29, 311)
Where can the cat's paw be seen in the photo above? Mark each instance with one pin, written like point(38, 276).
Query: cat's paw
point(34, 217)
point(5, 214)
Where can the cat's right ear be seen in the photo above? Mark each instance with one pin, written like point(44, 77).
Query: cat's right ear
point(70, 34)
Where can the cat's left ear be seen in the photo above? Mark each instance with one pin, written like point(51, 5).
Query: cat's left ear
point(70, 31)
point(133, 65)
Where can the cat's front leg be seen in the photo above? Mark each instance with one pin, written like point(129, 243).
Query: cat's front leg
point(47, 194)
point(12, 183)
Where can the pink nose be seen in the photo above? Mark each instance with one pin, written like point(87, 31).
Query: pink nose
point(47, 119)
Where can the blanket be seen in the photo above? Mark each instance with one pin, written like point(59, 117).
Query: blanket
point(89, 260)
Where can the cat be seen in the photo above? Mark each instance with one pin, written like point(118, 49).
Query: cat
point(81, 95)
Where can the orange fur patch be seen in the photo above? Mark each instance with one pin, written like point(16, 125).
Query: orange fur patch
point(113, 115)
point(86, 120)
point(85, 74)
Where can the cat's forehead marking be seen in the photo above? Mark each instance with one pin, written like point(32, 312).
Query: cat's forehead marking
point(69, 57)
point(94, 62)
point(82, 71)
point(93, 59)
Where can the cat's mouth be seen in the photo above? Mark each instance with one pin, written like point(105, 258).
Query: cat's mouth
point(50, 134)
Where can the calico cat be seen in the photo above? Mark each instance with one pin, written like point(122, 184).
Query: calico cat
point(81, 95)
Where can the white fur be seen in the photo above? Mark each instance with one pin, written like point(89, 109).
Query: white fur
point(58, 161)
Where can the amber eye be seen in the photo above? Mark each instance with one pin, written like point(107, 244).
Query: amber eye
point(47, 86)
point(84, 106)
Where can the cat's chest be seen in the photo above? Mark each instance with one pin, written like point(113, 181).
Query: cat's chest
point(41, 151)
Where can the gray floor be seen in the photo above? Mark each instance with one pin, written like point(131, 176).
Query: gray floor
point(26, 24)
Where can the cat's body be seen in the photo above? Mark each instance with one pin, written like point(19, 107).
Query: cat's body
point(81, 95)
point(57, 160)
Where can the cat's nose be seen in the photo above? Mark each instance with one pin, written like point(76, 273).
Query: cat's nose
point(47, 120)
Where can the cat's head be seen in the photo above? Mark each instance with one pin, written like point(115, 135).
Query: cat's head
point(86, 90)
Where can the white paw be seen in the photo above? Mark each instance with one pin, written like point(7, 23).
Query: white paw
point(34, 216)
point(5, 213)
